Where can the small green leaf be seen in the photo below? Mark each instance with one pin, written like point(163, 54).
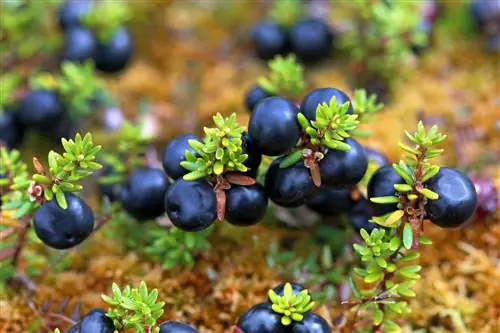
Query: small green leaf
point(385, 200)
point(403, 187)
point(373, 277)
point(407, 236)
point(431, 172)
point(23, 210)
point(291, 159)
point(61, 199)
point(394, 217)
point(354, 287)
point(194, 175)
point(425, 241)
point(395, 243)
point(429, 194)
point(304, 123)
point(377, 317)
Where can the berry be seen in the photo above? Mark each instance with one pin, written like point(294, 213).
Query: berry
point(143, 193)
point(261, 319)
point(96, 321)
point(74, 329)
point(344, 168)
point(270, 40)
point(360, 214)
point(330, 202)
point(79, 45)
point(377, 157)
point(254, 156)
point(40, 109)
point(11, 133)
point(175, 153)
point(115, 54)
point(191, 205)
point(311, 323)
point(311, 40)
point(112, 191)
point(382, 184)
point(245, 205)
point(172, 326)
point(457, 198)
point(71, 12)
point(322, 95)
point(296, 288)
point(289, 187)
point(254, 96)
point(273, 126)
point(487, 195)
point(64, 228)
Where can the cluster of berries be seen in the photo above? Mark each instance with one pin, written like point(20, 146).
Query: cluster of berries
point(96, 321)
point(288, 309)
point(310, 39)
point(80, 43)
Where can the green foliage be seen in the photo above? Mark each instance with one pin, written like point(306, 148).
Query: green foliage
point(220, 151)
point(365, 107)
point(286, 77)
point(291, 306)
point(382, 35)
point(134, 308)
point(64, 174)
point(286, 12)
point(23, 28)
point(106, 17)
point(9, 83)
point(129, 153)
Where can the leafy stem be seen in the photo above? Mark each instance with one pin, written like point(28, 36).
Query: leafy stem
point(286, 78)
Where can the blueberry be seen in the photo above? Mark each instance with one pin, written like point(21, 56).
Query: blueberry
point(11, 132)
point(40, 109)
point(273, 126)
point(143, 193)
point(245, 205)
point(63, 228)
point(74, 329)
point(269, 39)
point(457, 198)
point(279, 289)
point(112, 191)
point(359, 215)
point(175, 153)
point(71, 12)
point(322, 95)
point(344, 168)
point(382, 184)
point(311, 323)
point(80, 44)
point(172, 326)
point(96, 321)
point(289, 187)
point(379, 158)
point(114, 55)
point(191, 205)
point(311, 40)
point(254, 155)
point(254, 96)
point(261, 319)
point(330, 202)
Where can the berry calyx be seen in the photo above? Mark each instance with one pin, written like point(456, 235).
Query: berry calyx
point(457, 198)
point(64, 228)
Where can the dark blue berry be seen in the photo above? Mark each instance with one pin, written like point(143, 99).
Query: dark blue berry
point(322, 95)
point(330, 202)
point(311, 40)
point(173, 326)
point(112, 191)
point(114, 55)
point(311, 323)
point(80, 44)
point(191, 205)
point(96, 321)
point(63, 228)
point(289, 187)
point(254, 96)
point(382, 184)
point(344, 168)
point(269, 39)
point(457, 198)
point(359, 215)
point(254, 155)
point(143, 193)
point(40, 109)
point(379, 158)
point(175, 153)
point(273, 126)
point(261, 319)
point(71, 12)
point(11, 132)
point(245, 205)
